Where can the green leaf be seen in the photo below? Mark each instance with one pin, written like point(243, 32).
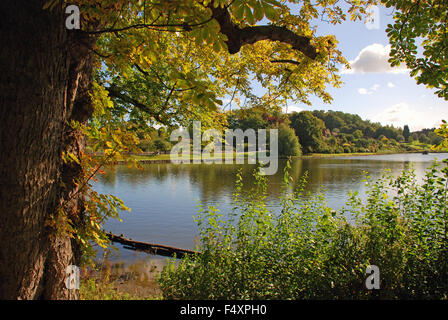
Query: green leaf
point(258, 11)
point(249, 16)
point(270, 12)
point(73, 157)
point(216, 46)
point(239, 12)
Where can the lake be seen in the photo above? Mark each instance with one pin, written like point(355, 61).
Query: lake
point(164, 197)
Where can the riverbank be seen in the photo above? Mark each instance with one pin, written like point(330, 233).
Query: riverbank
point(357, 154)
point(122, 281)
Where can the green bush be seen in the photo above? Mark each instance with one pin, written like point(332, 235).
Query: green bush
point(145, 145)
point(423, 138)
point(288, 143)
point(162, 145)
point(338, 149)
point(309, 251)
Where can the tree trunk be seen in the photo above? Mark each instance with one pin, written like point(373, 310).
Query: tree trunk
point(44, 81)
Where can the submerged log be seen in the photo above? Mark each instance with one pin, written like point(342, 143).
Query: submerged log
point(156, 249)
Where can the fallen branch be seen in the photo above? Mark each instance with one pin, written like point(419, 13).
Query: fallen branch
point(156, 249)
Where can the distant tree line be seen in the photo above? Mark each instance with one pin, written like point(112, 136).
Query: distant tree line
point(321, 131)
point(308, 132)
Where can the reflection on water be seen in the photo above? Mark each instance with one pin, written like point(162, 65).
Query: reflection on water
point(164, 197)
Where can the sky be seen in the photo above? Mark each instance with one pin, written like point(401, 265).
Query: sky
point(372, 89)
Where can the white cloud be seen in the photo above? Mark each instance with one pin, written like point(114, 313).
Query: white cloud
point(373, 59)
point(369, 91)
point(390, 85)
point(364, 91)
point(292, 108)
point(401, 114)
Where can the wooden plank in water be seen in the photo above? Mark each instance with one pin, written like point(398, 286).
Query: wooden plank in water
point(151, 248)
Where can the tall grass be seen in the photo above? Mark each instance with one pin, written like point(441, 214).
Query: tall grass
point(310, 251)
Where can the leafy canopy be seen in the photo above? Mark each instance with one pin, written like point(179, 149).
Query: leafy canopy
point(170, 61)
point(426, 22)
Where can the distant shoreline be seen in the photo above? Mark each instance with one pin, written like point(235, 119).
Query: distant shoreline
point(306, 156)
point(334, 155)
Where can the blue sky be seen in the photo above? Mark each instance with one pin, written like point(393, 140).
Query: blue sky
point(371, 88)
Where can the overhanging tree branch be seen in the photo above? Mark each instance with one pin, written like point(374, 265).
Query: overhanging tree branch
point(285, 61)
point(146, 74)
point(116, 93)
point(184, 26)
point(237, 37)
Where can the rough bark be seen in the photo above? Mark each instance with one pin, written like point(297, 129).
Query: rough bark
point(43, 83)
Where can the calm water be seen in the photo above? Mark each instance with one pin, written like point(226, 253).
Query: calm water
point(164, 197)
